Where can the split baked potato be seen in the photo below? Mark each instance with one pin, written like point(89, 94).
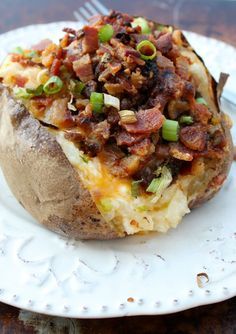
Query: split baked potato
point(116, 130)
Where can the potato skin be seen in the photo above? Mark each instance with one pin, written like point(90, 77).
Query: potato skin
point(42, 179)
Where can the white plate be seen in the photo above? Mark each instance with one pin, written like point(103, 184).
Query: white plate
point(43, 272)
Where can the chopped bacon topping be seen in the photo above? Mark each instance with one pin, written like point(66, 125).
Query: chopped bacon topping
point(201, 113)
point(90, 39)
point(143, 148)
point(55, 68)
point(59, 114)
point(180, 152)
point(83, 68)
point(182, 67)
point(19, 80)
point(194, 137)
point(164, 43)
point(128, 139)
point(152, 89)
point(148, 121)
point(162, 151)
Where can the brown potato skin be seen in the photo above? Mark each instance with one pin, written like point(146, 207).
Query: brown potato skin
point(220, 171)
point(42, 179)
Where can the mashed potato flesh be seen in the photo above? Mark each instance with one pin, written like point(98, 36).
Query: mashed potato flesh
point(113, 196)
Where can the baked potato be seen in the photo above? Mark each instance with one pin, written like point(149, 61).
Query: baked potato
point(115, 130)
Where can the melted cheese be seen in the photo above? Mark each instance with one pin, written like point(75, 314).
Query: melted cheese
point(131, 214)
point(9, 70)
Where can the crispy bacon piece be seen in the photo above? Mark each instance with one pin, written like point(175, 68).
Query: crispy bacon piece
point(143, 148)
point(18, 58)
point(94, 142)
point(113, 117)
point(164, 62)
point(39, 104)
point(218, 139)
point(114, 67)
point(201, 113)
point(194, 137)
point(137, 79)
point(90, 39)
point(148, 121)
point(164, 43)
point(49, 54)
point(19, 80)
point(42, 45)
point(176, 108)
point(83, 68)
point(182, 67)
point(114, 88)
point(117, 163)
point(55, 68)
point(127, 53)
point(70, 31)
point(127, 139)
point(162, 151)
point(59, 115)
point(180, 152)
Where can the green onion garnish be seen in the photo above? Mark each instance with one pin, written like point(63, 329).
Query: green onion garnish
point(31, 54)
point(35, 92)
point(22, 93)
point(76, 88)
point(158, 185)
point(186, 120)
point(97, 102)
point(135, 188)
point(111, 101)
point(201, 100)
point(160, 27)
point(18, 50)
point(105, 33)
point(53, 85)
point(142, 208)
point(147, 50)
point(141, 22)
point(84, 158)
point(170, 130)
point(106, 204)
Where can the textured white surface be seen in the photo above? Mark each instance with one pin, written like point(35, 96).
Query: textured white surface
point(43, 272)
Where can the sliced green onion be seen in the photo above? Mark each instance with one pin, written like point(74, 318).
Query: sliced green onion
point(106, 204)
point(76, 87)
point(170, 130)
point(22, 93)
point(31, 54)
point(141, 22)
point(111, 101)
point(142, 208)
point(186, 120)
point(105, 33)
point(97, 102)
point(135, 188)
point(84, 158)
point(160, 27)
point(201, 100)
point(158, 185)
point(35, 92)
point(53, 85)
point(18, 50)
point(147, 50)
